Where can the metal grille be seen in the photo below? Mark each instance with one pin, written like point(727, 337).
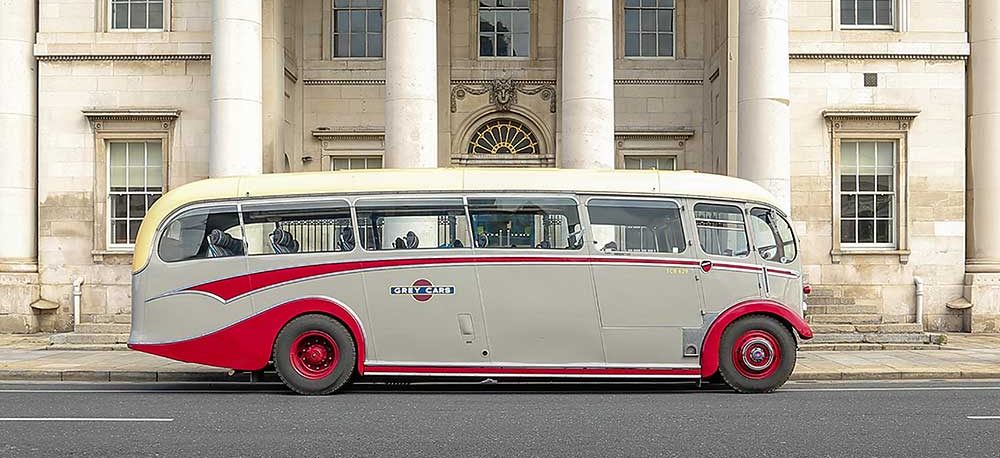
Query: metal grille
point(316, 235)
point(871, 79)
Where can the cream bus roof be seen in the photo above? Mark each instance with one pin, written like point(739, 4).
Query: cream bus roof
point(451, 179)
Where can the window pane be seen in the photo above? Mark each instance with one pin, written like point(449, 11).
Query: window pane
point(136, 154)
point(486, 45)
point(341, 45)
point(504, 20)
point(631, 21)
point(648, 45)
point(154, 178)
point(884, 154)
point(342, 22)
point(848, 183)
point(632, 163)
point(117, 154)
point(884, 180)
point(137, 17)
point(136, 178)
point(666, 45)
point(281, 229)
point(119, 206)
point(358, 45)
point(650, 226)
point(648, 20)
point(763, 237)
point(503, 44)
point(883, 12)
point(486, 20)
point(883, 206)
point(375, 21)
point(521, 45)
point(341, 164)
point(883, 231)
point(117, 179)
point(154, 153)
point(358, 21)
point(631, 3)
point(526, 222)
point(866, 183)
point(866, 206)
point(413, 224)
point(866, 12)
point(156, 15)
point(119, 232)
point(119, 13)
point(374, 45)
point(721, 230)
point(522, 21)
point(665, 19)
point(375, 163)
point(631, 44)
point(847, 12)
point(866, 154)
point(866, 231)
point(201, 234)
point(848, 206)
point(847, 231)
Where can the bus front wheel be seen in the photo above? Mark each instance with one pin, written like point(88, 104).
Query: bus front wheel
point(314, 354)
point(756, 355)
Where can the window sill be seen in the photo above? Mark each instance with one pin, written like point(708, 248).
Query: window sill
point(122, 256)
point(837, 254)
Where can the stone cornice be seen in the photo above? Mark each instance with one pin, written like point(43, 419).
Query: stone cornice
point(871, 113)
point(681, 134)
point(131, 114)
point(343, 82)
point(338, 133)
point(121, 57)
point(658, 82)
point(876, 56)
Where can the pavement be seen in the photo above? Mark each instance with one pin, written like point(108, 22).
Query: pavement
point(24, 358)
point(814, 419)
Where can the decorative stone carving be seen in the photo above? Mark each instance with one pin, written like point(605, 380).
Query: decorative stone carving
point(503, 92)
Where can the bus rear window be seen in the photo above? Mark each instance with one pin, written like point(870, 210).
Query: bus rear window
point(202, 233)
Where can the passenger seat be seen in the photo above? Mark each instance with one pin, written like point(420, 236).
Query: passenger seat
point(221, 244)
point(283, 242)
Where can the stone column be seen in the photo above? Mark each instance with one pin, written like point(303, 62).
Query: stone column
point(236, 119)
point(587, 85)
point(273, 32)
point(763, 142)
point(411, 99)
point(983, 169)
point(18, 200)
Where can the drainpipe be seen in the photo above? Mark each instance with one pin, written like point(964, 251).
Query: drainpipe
point(77, 293)
point(919, 312)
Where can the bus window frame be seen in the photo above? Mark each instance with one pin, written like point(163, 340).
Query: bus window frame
point(674, 200)
point(181, 211)
point(744, 212)
point(751, 206)
point(376, 197)
point(280, 201)
point(580, 213)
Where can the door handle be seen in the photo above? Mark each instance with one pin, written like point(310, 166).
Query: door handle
point(466, 327)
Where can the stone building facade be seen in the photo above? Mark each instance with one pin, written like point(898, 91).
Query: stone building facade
point(876, 121)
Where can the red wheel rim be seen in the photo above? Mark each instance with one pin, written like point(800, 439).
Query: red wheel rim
point(757, 354)
point(314, 354)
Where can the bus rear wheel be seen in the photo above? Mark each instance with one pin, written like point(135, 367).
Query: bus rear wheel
point(756, 355)
point(314, 355)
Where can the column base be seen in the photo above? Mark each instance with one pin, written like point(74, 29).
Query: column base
point(982, 290)
point(17, 292)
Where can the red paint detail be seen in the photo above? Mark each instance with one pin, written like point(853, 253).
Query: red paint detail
point(247, 345)
point(743, 267)
point(706, 266)
point(229, 288)
point(787, 273)
point(710, 347)
point(770, 353)
point(422, 297)
point(539, 371)
point(314, 354)
point(807, 289)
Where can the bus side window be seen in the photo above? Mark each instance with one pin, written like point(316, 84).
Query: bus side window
point(298, 227)
point(721, 230)
point(636, 225)
point(526, 222)
point(202, 233)
point(412, 224)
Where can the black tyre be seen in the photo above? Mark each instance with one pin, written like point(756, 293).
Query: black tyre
point(314, 354)
point(756, 354)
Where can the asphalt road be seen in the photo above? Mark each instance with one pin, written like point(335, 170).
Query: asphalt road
point(802, 419)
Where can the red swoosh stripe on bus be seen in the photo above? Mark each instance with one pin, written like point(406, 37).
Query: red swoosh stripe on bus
point(229, 288)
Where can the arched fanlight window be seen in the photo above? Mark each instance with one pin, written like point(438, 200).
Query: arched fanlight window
point(503, 136)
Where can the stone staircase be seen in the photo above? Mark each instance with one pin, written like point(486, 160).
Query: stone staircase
point(94, 336)
point(845, 323)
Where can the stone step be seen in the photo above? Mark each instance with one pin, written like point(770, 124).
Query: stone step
point(848, 337)
point(821, 291)
point(845, 319)
point(883, 328)
point(74, 338)
point(898, 328)
point(866, 347)
point(842, 309)
point(829, 300)
point(107, 319)
point(92, 347)
point(909, 338)
point(102, 328)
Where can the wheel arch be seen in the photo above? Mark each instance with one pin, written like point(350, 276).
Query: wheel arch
point(766, 307)
point(331, 308)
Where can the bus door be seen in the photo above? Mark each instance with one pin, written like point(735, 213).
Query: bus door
point(645, 277)
point(535, 281)
point(728, 274)
point(777, 252)
point(421, 288)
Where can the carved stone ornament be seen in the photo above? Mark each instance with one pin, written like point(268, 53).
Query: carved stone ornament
point(503, 92)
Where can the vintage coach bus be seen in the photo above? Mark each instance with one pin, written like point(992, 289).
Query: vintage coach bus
point(472, 273)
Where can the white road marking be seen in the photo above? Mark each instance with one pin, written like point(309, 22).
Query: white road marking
point(983, 417)
point(139, 420)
